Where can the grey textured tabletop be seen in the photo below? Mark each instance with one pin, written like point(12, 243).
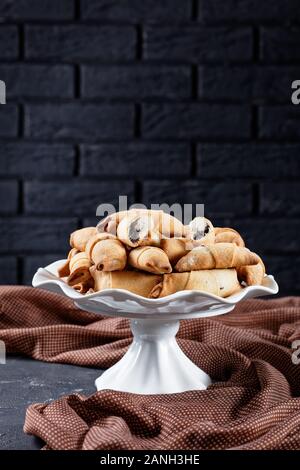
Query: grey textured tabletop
point(24, 381)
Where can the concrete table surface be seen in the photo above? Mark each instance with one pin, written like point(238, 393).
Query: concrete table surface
point(24, 381)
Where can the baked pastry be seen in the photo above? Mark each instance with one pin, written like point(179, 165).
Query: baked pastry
point(217, 256)
point(221, 282)
point(64, 270)
point(79, 238)
point(149, 258)
point(137, 250)
point(252, 275)
point(106, 252)
point(133, 281)
point(137, 229)
point(110, 223)
point(201, 231)
point(175, 248)
point(84, 287)
point(228, 235)
point(79, 266)
point(154, 224)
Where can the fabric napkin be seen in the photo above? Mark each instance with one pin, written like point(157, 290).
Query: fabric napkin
point(254, 402)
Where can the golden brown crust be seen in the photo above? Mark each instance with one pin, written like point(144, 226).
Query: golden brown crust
point(133, 281)
point(79, 238)
point(228, 235)
point(79, 269)
point(252, 275)
point(129, 245)
point(64, 270)
point(85, 287)
point(106, 252)
point(220, 282)
point(217, 256)
point(150, 259)
point(110, 223)
point(160, 224)
point(109, 255)
point(175, 248)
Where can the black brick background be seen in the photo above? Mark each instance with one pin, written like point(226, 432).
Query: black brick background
point(166, 101)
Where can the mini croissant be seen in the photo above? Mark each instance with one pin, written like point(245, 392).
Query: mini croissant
point(175, 248)
point(110, 223)
point(137, 229)
point(228, 235)
point(79, 238)
point(221, 282)
point(201, 231)
point(64, 270)
point(133, 281)
point(149, 258)
point(106, 252)
point(153, 224)
point(252, 275)
point(219, 256)
point(79, 269)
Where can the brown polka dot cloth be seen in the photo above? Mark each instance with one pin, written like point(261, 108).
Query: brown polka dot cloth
point(253, 403)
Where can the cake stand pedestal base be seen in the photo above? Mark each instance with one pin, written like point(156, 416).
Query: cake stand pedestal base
point(154, 363)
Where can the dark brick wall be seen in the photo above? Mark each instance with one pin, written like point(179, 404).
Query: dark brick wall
point(165, 101)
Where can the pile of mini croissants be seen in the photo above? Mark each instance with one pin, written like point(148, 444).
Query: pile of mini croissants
point(152, 254)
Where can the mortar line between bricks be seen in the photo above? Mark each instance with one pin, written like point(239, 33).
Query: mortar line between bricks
point(77, 157)
point(194, 83)
point(21, 120)
point(83, 179)
point(77, 81)
point(130, 139)
point(39, 216)
point(137, 120)
point(165, 22)
point(114, 101)
point(102, 177)
point(21, 38)
point(256, 45)
point(145, 140)
point(193, 157)
point(148, 62)
point(139, 42)
point(132, 61)
point(77, 10)
point(194, 10)
point(256, 199)
point(254, 122)
point(20, 197)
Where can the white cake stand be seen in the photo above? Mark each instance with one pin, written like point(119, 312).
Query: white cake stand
point(154, 363)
